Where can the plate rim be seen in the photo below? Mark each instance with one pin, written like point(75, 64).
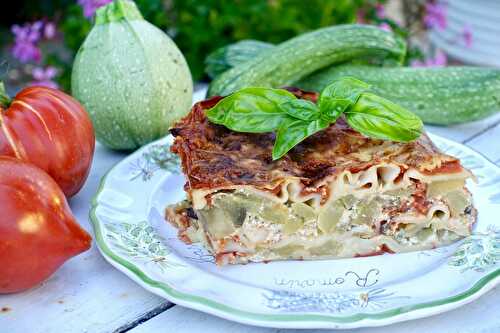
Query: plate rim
point(286, 320)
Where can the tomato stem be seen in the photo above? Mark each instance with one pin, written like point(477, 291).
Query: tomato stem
point(4, 98)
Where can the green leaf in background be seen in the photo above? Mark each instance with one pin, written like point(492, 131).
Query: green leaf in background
point(251, 110)
point(380, 118)
point(300, 109)
point(340, 95)
point(291, 133)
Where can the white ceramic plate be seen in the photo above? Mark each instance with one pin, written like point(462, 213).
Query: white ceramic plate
point(132, 235)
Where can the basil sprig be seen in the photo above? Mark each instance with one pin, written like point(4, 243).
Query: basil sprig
point(261, 110)
point(252, 110)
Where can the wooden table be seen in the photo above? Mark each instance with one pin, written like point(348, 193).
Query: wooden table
point(89, 295)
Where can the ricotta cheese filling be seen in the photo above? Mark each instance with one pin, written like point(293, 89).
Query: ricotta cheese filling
point(240, 225)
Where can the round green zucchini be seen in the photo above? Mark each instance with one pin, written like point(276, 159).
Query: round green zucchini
point(131, 78)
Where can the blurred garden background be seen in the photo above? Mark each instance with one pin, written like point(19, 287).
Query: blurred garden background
point(39, 39)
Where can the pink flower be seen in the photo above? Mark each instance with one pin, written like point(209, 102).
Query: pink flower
point(43, 77)
point(467, 35)
point(27, 37)
point(435, 15)
point(380, 10)
point(384, 26)
point(37, 26)
point(439, 60)
point(25, 47)
point(28, 32)
point(49, 30)
point(26, 52)
point(90, 6)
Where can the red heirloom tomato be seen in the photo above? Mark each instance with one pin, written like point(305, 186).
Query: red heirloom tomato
point(50, 129)
point(38, 232)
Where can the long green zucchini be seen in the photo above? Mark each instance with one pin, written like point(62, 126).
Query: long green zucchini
point(298, 57)
point(442, 96)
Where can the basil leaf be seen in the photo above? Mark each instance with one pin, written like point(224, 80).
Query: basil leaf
point(334, 107)
point(300, 109)
point(340, 95)
point(380, 118)
point(292, 132)
point(348, 88)
point(251, 110)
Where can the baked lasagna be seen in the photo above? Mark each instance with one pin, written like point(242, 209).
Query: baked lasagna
point(337, 194)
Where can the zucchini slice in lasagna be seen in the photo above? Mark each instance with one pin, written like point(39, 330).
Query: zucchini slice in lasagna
point(337, 194)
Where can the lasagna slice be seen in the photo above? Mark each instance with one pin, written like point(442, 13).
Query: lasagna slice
point(337, 194)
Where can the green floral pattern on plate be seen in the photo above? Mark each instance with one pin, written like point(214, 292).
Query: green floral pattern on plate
point(154, 158)
point(334, 302)
point(478, 252)
point(141, 242)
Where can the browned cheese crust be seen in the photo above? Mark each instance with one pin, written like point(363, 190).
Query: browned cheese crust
point(216, 157)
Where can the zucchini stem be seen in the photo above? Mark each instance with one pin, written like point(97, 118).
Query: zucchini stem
point(116, 11)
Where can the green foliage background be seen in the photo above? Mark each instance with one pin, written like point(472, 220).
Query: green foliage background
point(203, 26)
point(200, 26)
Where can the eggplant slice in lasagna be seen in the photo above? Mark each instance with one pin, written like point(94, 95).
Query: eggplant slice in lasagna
point(337, 194)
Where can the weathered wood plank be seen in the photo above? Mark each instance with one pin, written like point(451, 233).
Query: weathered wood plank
point(488, 143)
point(464, 132)
point(145, 317)
point(179, 319)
